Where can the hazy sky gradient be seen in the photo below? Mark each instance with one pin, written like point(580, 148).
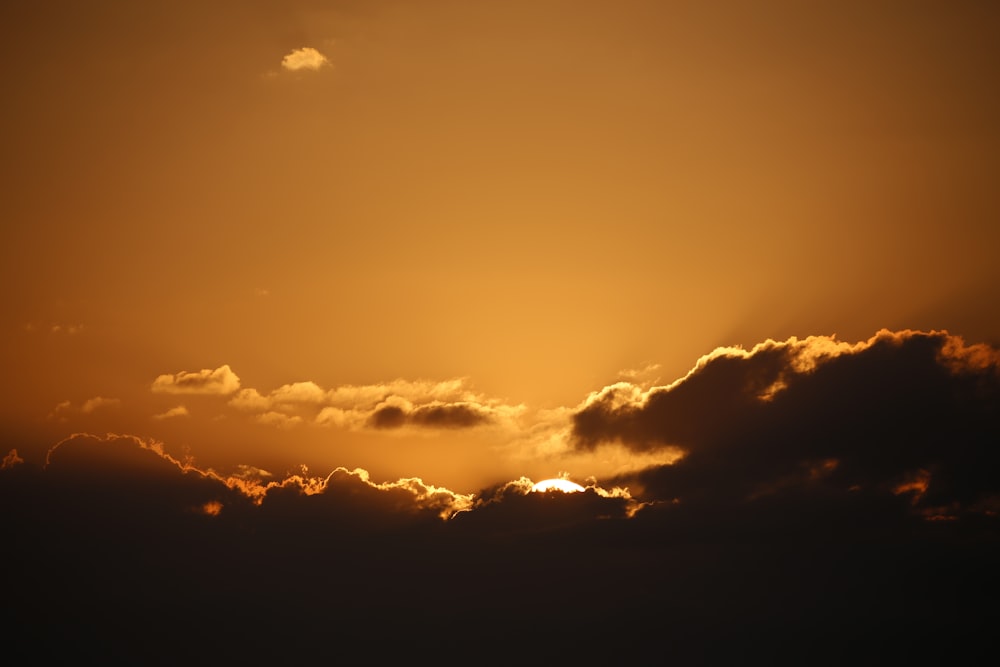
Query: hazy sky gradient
point(532, 196)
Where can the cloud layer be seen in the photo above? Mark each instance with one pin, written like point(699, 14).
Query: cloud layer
point(448, 404)
point(831, 500)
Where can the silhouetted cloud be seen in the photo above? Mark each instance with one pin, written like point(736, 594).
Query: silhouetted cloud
point(441, 415)
point(11, 459)
point(222, 380)
point(85, 455)
point(903, 413)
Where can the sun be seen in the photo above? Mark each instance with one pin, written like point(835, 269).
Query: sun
point(557, 483)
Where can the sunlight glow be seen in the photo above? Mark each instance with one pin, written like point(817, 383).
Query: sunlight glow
point(558, 484)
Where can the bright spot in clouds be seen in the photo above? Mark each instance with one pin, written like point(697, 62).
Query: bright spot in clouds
point(557, 483)
point(306, 58)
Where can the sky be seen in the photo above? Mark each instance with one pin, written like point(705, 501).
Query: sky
point(273, 270)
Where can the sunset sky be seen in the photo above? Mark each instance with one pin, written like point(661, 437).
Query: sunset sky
point(698, 253)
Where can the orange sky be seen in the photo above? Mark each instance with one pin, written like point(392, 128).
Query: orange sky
point(301, 298)
point(470, 214)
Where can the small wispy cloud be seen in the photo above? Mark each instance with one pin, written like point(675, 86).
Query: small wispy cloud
point(66, 408)
point(55, 329)
point(179, 411)
point(306, 58)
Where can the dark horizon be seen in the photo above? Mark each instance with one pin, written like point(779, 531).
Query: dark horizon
point(846, 514)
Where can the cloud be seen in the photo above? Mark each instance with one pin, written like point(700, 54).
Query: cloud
point(11, 459)
point(423, 404)
point(178, 411)
point(55, 329)
point(125, 460)
point(646, 375)
point(66, 408)
point(298, 392)
point(434, 415)
point(278, 419)
point(818, 415)
point(59, 412)
point(222, 381)
point(99, 402)
point(113, 522)
point(306, 58)
point(415, 391)
point(68, 329)
point(249, 399)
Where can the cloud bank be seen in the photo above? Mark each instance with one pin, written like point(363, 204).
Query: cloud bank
point(830, 500)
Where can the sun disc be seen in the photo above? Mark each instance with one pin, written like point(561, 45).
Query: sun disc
point(558, 484)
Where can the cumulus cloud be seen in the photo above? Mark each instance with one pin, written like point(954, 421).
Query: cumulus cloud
point(220, 381)
point(796, 416)
point(306, 58)
point(249, 399)
point(298, 392)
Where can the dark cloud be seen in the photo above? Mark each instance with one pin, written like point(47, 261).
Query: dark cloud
point(388, 416)
point(436, 415)
point(450, 416)
point(910, 413)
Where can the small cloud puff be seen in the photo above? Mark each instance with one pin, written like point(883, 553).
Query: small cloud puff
point(98, 402)
point(222, 380)
point(179, 411)
point(305, 58)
